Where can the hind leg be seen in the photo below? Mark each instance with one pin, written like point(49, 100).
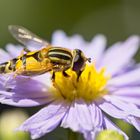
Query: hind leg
point(65, 74)
point(53, 77)
point(64, 71)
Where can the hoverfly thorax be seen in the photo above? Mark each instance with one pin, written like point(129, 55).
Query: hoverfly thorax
point(44, 52)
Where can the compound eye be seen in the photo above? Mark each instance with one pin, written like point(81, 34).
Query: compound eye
point(76, 58)
point(76, 54)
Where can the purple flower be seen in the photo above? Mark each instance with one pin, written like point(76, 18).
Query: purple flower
point(109, 85)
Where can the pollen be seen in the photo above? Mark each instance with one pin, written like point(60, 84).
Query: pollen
point(90, 86)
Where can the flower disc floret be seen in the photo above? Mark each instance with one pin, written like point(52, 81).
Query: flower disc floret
point(90, 86)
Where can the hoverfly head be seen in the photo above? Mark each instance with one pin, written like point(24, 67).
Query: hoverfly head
point(79, 60)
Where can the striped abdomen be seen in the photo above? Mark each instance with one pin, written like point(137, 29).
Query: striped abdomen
point(8, 66)
point(60, 56)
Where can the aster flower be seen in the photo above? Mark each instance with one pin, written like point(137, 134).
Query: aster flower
point(109, 85)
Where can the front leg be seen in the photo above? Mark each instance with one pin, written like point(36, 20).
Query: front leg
point(78, 74)
point(18, 71)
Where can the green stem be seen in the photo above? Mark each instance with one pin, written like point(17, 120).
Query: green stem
point(72, 135)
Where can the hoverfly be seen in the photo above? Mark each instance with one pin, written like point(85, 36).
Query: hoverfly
point(48, 58)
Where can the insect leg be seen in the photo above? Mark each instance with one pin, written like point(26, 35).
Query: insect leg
point(78, 74)
point(53, 76)
point(64, 71)
point(26, 50)
point(65, 74)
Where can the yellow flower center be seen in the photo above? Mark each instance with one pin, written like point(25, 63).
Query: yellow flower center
point(90, 86)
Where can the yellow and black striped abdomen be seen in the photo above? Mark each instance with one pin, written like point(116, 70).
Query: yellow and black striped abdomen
point(59, 55)
point(8, 66)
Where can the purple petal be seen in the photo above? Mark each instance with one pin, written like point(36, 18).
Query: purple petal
point(127, 111)
point(25, 102)
point(109, 125)
point(95, 49)
point(83, 115)
point(97, 121)
point(60, 39)
point(26, 92)
point(128, 78)
point(112, 110)
point(4, 56)
point(96, 115)
point(118, 56)
point(106, 124)
point(78, 118)
point(90, 135)
point(6, 81)
point(134, 121)
point(30, 87)
point(46, 120)
point(14, 50)
point(128, 94)
point(127, 107)
point(76, 42)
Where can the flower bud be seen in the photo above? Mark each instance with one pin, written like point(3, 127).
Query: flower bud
point(109, 135)
point(9, 121)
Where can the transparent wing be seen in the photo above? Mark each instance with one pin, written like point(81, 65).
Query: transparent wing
point(26, 37)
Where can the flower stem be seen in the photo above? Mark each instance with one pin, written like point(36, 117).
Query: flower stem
point(72, 135)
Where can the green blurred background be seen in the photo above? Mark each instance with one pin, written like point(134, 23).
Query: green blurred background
point(117, 19)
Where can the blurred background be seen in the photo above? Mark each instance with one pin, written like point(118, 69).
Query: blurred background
point(116, 19)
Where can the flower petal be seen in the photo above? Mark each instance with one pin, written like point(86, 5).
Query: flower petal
point(95, 49)
point(127, 79)
point(70, 119)
point(112, 110)
point(128, 94)
point(106, 124)
point(134, 121)
point(78, 118)
point(25, 102)
point(96, 115)
point(90, 135)
point(97, 121)
point(32, 87)
point(83, 115)
point(127, 107)
point(120, 55)
point(24, 93)
point(4, 56)
point(59, 38)
point(14, 50)
point(46, 120)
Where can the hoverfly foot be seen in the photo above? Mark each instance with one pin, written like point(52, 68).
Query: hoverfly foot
point(65, 74)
